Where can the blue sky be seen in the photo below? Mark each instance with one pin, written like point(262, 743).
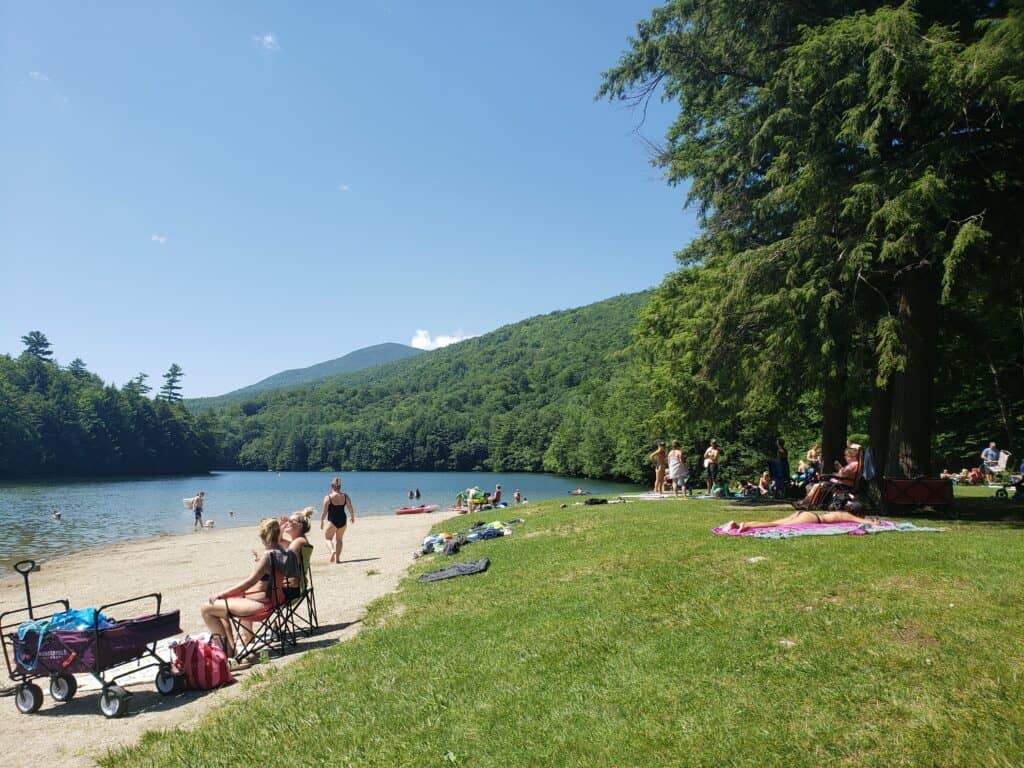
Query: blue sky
point(243, 188)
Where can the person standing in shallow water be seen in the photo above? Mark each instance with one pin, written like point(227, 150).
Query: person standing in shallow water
point(197, 509)
point(335, 505)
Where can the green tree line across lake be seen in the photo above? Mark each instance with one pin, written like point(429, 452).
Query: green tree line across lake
point(65, 421)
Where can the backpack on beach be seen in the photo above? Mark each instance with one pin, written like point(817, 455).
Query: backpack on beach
point(203, 664)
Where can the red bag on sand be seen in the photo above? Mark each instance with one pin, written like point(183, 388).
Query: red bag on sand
point(204, 665)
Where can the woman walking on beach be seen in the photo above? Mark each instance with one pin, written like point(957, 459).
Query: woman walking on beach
point(335, 504)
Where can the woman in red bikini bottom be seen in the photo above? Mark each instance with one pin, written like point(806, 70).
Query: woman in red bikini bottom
point(798, 518)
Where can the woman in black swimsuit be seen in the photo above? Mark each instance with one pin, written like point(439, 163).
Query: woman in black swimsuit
point(335, 504)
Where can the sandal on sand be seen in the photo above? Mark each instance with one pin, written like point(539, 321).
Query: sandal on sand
point(234, 664)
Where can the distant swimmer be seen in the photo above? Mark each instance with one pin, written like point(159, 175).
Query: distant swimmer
point(577, 492)
point(56, 515)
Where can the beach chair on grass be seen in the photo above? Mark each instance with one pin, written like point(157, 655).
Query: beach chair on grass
point(997, 473)
point(268, 628)
point(300, 612)
point(836, 495)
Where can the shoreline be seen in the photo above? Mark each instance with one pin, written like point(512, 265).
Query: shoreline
point(186, 569)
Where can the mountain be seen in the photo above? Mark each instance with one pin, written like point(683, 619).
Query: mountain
point(527, 396)
point(366, 357)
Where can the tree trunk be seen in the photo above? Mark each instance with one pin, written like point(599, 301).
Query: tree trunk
point(910, 436)
point(878, 434)
point(835, 407)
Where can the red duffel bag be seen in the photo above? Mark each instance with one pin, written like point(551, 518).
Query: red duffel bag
point(203, 664)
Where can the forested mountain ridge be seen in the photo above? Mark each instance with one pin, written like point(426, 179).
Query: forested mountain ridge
point(492, 402)
point(378, 354)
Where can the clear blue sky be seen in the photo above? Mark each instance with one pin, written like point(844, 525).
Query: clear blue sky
point(243, 188)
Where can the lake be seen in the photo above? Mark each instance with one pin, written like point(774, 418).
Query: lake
point(96, 512)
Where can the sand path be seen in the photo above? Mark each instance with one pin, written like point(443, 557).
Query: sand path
point(186, 569)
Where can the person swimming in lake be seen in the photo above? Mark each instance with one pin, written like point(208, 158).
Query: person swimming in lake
point(334, 507)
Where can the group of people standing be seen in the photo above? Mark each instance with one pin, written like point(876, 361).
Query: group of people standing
point(671, 471)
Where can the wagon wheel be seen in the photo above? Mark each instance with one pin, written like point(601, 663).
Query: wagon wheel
point(28, 697)
point(113, 701)
point(166, 681)
point(63, 687)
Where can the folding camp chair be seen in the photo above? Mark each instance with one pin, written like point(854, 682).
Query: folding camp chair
point(300, 612)
point(268, 627)
point(836, 495)
point(997, 473)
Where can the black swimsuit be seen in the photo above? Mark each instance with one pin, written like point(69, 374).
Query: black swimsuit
point(336, 512)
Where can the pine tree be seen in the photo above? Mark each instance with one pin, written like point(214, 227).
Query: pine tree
point(171, 389)
point(37, 345)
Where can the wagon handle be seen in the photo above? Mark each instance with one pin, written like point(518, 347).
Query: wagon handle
point(25, 567)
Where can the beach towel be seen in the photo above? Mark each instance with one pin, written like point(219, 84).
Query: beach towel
point(828, 529)
point(457, 569)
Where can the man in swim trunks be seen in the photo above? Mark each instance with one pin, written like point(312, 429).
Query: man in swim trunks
point(197, 508)
point(711, 458)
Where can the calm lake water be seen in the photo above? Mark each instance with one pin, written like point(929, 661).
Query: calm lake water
point(103, 512)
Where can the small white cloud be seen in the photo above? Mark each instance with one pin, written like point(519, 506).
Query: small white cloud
point(267, 42)
point(422, 340)
point(344, 188)
point(159, 239)
point(39, 76)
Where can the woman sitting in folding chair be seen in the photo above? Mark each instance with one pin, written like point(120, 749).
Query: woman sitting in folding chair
point(294, 528)
point(271, 584)
point(844, 478)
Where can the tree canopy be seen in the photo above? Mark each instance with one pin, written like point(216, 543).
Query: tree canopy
point(858, 172)
point(57, 421)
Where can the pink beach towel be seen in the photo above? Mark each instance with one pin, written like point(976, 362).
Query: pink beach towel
point(811, 529)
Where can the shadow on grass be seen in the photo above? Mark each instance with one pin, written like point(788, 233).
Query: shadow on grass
point(1002, 512)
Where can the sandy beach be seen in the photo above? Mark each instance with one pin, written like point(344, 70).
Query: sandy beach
point(186, 569)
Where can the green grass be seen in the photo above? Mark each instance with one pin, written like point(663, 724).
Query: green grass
point(628, 635)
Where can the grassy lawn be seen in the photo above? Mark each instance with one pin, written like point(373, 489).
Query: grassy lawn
point(628, 635)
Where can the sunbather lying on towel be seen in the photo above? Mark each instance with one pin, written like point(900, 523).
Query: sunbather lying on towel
point(800, 518)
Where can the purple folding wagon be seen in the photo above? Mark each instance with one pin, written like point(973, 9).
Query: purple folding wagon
point(61, 654)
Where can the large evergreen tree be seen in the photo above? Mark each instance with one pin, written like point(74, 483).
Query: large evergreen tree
point(849, 163)
point(170, 391)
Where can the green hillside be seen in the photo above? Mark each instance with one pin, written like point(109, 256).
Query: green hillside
point(367, 357)
point(497, 402)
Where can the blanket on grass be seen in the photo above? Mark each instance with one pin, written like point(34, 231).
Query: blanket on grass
point(827, 529)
